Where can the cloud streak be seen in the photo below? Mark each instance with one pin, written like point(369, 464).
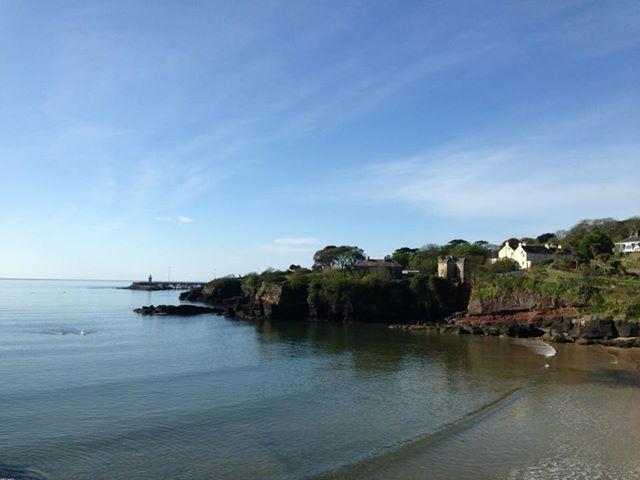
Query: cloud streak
point(180, 220)
point(535, 177)
point(291, 245)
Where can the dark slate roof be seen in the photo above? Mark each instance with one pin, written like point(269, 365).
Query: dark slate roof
point(632, 238)
point(538, 249)
point(372, 262)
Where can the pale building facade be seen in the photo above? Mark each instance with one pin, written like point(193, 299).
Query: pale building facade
point(525, 256)
point(629, 245)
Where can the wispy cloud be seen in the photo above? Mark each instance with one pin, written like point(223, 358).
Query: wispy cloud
point(178, 220)
point(552, 174)
point(291, 245)
point(510, 184)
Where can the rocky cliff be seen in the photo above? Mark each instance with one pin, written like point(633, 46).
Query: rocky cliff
point(335, 297)
point(526, 314)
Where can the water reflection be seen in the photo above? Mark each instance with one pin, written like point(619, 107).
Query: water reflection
point(210, 397)
point(375, 349)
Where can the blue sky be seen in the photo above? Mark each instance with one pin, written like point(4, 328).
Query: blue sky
point(228, 137)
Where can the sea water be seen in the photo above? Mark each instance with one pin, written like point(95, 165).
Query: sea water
point(90, 390)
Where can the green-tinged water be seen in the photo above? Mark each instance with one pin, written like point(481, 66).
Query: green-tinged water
point(89, 390)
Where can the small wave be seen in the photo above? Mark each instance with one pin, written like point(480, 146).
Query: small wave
point(67, 331)
point(548, 350)
point(536, 346)
point(20, 473)
point(424, 441)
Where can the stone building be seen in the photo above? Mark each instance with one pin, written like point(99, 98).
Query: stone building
point(371, 265)
point(452, 268)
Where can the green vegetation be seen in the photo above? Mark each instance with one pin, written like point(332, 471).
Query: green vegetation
point(403, 255)
point(343, 257)
point(425, 259)
point(587, 276)
point(615, 230)
point(592, 244)
point(591, 290)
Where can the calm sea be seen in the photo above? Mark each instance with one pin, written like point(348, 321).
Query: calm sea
point(89, 390)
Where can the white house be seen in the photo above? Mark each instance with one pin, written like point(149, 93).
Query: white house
point(527, 255)
point(629, 245)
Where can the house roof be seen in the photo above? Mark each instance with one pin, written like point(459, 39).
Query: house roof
point(538, 249)
point(372, 262)
point(632, 238)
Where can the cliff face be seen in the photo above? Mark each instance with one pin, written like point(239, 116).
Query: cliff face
point(281, 302)
point(272, 300)
point(513, 302)
point(336, 298)
point(526, 314)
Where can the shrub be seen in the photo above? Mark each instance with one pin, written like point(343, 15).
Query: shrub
point(633, 310)
point(226, 287)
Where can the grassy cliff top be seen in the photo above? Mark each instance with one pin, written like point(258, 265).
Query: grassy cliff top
point(593, 290)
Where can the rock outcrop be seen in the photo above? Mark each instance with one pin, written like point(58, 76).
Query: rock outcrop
point(528, 315)
point(178, 310)
point(522, 302)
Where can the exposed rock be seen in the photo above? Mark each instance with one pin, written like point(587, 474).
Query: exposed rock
point(179, 310)
point(282, 301)
point(557, 337)
point(621, 342)
point(625, 328)
point(193, 295)
point(591, 327)
point(524, 331)
point(494, 330)
point(431, 327)
point(513, 303)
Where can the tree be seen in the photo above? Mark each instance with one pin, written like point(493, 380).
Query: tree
point(545, 237)
point(529, 240)
point(457, 241)
point(402, 255)
point(513, 242)
point(342, 257)
point(593, 244)
point(426, 259)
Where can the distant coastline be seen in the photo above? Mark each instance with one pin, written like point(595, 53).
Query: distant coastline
point(156, 286)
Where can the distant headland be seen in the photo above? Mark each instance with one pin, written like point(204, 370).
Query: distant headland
point(151, 286)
